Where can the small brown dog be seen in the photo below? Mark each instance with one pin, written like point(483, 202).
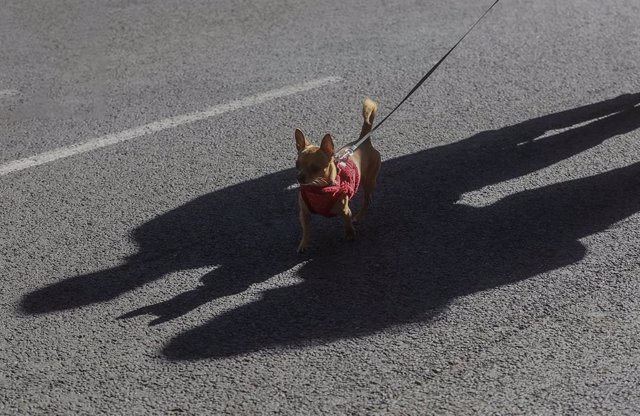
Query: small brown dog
point(326, 187)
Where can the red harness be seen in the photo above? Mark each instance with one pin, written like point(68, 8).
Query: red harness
point(320, 200)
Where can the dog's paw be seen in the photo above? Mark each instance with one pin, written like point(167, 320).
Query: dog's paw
point(350, 235)
point(358, 218)
point(302, 248)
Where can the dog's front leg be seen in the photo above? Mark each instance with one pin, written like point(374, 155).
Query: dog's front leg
point(305, 222)
point(345, 211)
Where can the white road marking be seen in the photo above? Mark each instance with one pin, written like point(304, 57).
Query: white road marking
point(8, 93)
point(156, 126)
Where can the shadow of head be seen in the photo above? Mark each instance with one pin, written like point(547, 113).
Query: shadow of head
point(418, 250)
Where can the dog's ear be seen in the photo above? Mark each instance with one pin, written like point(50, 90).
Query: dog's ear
point(301, 141)
point(327, 144)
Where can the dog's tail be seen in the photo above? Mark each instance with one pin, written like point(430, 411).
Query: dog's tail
point(369, 108)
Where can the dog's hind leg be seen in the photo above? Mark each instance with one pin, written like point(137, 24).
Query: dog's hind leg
point(368, 184)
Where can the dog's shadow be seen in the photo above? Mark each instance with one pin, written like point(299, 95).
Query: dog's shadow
point(418, 250)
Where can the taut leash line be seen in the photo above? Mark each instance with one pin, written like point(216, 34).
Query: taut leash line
point(350, 148)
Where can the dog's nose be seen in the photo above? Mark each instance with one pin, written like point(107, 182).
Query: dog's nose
point(301, 177)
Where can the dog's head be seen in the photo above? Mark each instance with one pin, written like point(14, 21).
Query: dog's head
point(315, 163)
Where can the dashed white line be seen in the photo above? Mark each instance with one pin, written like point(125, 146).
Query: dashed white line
point(9, 93)
point(156, 126)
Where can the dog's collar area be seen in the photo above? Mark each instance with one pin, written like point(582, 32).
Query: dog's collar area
point(343, 154)
point(310, 185)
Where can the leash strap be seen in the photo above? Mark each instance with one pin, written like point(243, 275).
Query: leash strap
point(346, 151)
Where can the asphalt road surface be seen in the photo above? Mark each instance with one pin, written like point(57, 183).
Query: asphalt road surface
point(148, 225)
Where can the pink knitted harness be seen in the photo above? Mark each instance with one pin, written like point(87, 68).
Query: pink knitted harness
point(320, 200)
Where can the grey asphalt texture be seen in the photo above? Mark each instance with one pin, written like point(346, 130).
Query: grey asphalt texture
point(497, 272)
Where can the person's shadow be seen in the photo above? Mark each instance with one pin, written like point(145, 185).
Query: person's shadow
point(248, 230)
point(417, 251)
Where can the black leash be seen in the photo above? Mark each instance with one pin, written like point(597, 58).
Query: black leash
point(349, 149)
